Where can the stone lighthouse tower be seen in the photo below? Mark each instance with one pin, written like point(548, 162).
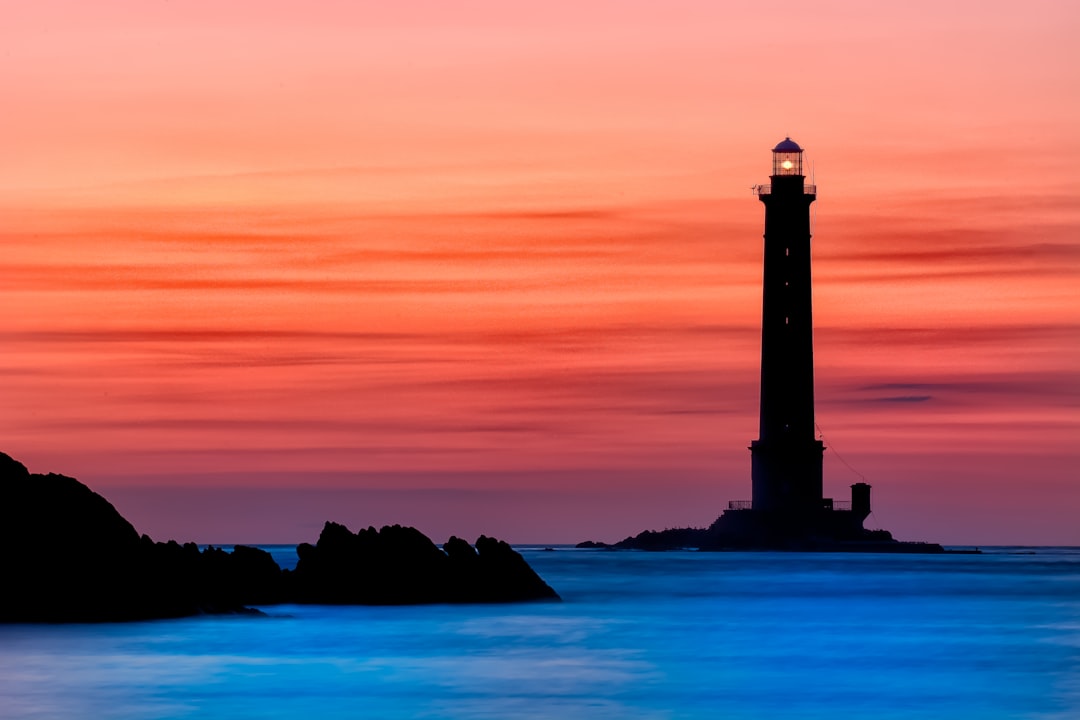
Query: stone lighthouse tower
point(787, 457)
point(788, 510)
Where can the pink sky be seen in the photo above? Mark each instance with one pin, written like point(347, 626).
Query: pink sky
point(495, 267)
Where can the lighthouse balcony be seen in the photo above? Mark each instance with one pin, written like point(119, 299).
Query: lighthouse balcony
point(767, 189)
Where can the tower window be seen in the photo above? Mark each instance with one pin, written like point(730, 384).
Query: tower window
point(787, 251)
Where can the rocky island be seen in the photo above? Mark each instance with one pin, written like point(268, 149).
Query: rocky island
point(758, 531)
point(71, 557)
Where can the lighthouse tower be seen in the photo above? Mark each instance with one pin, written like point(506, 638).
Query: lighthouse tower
point(788, 510)
point(786, 458)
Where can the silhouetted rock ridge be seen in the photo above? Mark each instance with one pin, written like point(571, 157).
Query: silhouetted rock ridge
point(71, 557)
point(400, 565)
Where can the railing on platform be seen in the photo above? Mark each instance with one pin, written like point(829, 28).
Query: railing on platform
point(767, 189)
point(826, 504)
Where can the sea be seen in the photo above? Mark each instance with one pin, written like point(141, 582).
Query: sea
point(637, 635)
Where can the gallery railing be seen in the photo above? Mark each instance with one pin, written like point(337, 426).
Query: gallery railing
point(767, 189)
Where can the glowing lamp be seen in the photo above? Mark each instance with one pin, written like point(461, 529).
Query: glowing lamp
point(787, 158)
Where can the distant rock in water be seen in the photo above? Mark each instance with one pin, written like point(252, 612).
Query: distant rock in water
point(670, 539)
point(750, 530)
point(401, 566)
point(71, 557)
point(594, 545)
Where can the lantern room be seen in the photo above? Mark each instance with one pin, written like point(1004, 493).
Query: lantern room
point(787, 158)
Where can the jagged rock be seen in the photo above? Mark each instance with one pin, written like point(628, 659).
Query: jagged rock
point(71, 557)
point(401, 566)
point(502, 576)
point(67, 550)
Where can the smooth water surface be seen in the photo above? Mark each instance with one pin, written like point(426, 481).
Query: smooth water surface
point(639, 635)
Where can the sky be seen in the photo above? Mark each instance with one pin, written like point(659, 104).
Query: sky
point(494, 267)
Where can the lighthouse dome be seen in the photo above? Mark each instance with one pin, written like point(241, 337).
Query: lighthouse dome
point(787, 145)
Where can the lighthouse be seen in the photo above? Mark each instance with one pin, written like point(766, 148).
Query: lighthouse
point(786, 458)
point(789, 510)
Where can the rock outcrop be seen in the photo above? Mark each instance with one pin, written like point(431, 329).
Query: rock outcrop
point(401, 566)
point(751, 531)
point(71, 557)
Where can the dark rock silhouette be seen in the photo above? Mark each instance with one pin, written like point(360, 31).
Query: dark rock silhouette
point(752, 531)
point(71, 557)
point(399, 565)
point(654, 540)
point(594, 545)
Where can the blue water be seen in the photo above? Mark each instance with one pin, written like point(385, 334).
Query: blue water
point(673, 635)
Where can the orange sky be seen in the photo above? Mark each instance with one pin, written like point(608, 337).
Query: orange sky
point(495, 267)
